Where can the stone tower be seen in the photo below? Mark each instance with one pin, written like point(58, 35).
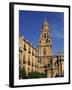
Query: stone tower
point(45, 45)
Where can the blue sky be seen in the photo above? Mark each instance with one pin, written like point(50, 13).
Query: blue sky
point(30, 24)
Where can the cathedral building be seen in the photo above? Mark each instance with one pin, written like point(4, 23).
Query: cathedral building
point(41, 59)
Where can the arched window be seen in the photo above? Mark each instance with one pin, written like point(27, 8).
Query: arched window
point(24, 59)
point(33, 52)
point(44, 51)
point(24, 46)
point(44, 35)
point(32, 62)
point(28, 60)
point(49, 40)
point(29, 50)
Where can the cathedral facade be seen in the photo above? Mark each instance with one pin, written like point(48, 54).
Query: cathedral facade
point(41, 59)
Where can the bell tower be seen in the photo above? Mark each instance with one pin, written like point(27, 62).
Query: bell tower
point(45, 44)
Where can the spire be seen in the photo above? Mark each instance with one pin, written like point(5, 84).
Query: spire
point(45, 23)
